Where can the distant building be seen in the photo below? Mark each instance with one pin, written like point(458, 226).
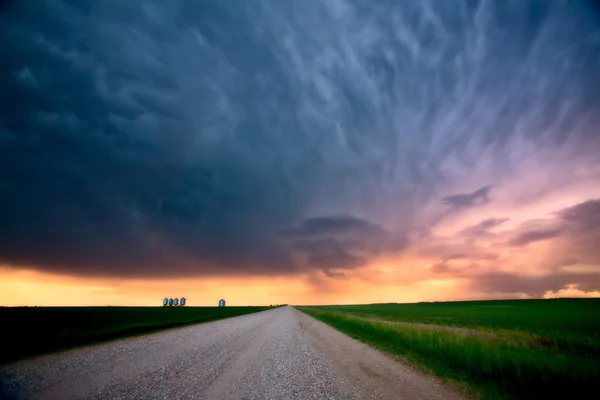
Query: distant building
point(221, 303)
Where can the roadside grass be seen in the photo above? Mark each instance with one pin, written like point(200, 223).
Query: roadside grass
point(32, 331)
point(570, 326)
point(492, 347)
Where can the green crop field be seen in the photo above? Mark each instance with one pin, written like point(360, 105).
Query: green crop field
point(30, 331)
point(508, 349)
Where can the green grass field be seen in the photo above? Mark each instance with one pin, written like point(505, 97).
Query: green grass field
point(57, 328)
point(509, 349)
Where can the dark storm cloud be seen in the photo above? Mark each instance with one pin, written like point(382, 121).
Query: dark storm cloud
point(536, 285)
point(576, 232)
point(478, 197)
point(468, 263)
point(473, 256)
point(482, 228)
point(565, 262)
point(489, 223)
point(582, 227)
point(584, 217)
point(335, 225)
point(328, 253)
point(339, 242)
point(579, 225)
point(527, 237)
point(486, 280)
point(181, 138)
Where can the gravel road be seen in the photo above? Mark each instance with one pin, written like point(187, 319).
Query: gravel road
point(275, 354)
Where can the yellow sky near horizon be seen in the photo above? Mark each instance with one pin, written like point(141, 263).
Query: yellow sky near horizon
point(369, 285)
point(31, 288)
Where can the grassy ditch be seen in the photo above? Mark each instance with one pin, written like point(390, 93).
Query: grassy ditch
point(30, 331)
point(488, 345)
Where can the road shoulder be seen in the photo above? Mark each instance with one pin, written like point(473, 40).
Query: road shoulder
point(378, 370)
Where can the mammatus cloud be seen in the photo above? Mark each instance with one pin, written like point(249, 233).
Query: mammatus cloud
point(183, 138)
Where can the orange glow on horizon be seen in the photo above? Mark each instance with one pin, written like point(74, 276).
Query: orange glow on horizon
point(31, 288)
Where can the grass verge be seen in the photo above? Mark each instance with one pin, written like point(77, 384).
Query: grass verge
point(498, 363)
point(32, 331)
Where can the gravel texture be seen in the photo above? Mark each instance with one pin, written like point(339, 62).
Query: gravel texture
point(275, 354)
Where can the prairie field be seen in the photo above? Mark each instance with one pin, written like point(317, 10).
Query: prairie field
point(505, 349)
point(31, 331)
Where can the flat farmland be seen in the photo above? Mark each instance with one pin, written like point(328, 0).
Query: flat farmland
point(280, 353)
point(507, 349)
point(31, 331)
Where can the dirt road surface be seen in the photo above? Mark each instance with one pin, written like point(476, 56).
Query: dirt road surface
point(275, 354)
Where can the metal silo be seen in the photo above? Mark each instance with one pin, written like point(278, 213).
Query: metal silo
point(221, 303)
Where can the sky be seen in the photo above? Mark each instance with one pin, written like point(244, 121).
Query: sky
point(300, 152)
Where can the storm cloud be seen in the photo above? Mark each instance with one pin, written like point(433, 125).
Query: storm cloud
point(527, 237)
point(478, 197)
point(185, 138)
point(341, 242)
point(536, 285)
point(483, 228)
point(573, 231)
